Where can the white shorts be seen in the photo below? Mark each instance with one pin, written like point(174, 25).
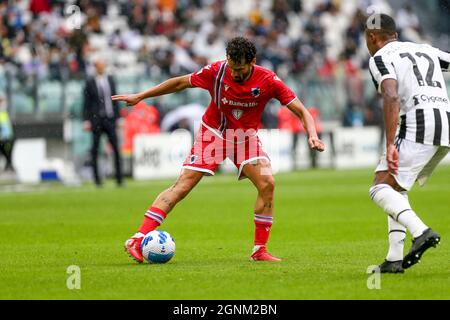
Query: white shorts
point(416, 162)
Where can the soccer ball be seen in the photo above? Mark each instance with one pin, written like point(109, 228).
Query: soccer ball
point(158, 247)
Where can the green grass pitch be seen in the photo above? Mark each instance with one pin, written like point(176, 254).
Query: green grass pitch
point(326, 229)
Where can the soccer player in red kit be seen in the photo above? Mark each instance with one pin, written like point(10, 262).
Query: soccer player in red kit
point(239, 91)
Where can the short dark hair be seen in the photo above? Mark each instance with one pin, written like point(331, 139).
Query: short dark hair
point(382, 23)
point(240, 48)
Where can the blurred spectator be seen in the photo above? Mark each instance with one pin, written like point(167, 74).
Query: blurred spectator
point(354, 88)
point(186, 34)
point(288, 121)
point(141, 119)
point(100, 116)
point(145, 57)
point(39, 6)
point(167, 5)
point(6, 135)
point(117, 41)
point(373, 116)
point(408, 24)
point(211, 47)
point(280, 10)
point(5, 45)
point(78, 42)
point(166, 38)
point(407, 18)
point(36, 66)
point(356, 29)
point(183, 61)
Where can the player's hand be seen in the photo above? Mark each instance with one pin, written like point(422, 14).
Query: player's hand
point(316, 144)
point(392, 159)
point(130, 99)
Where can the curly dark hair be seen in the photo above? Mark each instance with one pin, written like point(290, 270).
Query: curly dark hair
point(240, 48)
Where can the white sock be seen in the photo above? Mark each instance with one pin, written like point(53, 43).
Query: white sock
point(138, 235)
point(411, 221)
point(256, 248)
point(397, 234)
point(397, 207)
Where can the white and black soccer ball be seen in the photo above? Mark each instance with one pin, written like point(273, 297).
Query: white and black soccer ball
point(158, 247)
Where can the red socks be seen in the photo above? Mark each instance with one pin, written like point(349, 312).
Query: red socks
point(153, 218)
point(263, 223)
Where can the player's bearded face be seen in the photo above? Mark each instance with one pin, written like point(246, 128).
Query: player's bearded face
point(240, 71)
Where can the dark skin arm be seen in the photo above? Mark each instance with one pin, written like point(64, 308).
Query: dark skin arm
point(169, 86)
point(391, 110)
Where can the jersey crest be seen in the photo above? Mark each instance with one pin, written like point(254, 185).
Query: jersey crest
point(256, 92)
point(237, 113)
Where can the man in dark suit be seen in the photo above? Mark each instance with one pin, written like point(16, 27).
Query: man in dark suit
point(100, 116)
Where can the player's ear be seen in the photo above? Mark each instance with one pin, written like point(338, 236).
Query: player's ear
point(253, 61)
point(371, 36)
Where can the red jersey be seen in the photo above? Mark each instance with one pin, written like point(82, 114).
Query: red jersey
point(238, 105)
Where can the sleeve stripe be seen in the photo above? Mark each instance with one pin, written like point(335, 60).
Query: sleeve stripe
point(380, 65)
point(444, 64)
point(373, 79)
point(291, 101)
point(217, 83)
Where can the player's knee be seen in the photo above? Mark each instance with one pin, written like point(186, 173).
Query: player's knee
point(267, 186)
point(374, 190)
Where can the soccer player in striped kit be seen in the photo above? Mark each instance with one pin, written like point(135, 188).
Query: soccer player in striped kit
point(410, 80)
point(239, 91)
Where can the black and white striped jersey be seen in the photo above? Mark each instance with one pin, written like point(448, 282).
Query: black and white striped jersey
point(424, 101)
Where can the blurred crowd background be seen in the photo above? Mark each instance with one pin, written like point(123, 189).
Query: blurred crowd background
point(48, 47)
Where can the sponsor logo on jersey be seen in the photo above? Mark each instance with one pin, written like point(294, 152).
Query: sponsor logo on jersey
point(238, 103)
point(429, 99)
point(256, 92)
point(237, 113)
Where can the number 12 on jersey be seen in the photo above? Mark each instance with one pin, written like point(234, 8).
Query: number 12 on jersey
point(429, 77)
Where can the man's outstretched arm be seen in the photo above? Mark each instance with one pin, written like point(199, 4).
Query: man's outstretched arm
point(169, 86)
point(307, 120)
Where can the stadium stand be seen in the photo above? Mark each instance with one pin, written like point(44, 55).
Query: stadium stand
point(47, 48)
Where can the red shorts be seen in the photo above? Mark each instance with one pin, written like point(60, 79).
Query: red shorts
point(209, 150)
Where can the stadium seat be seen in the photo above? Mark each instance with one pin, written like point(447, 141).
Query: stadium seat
point(50, 97)
point(22, 100)
point(21, 103)
point(74, 98)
